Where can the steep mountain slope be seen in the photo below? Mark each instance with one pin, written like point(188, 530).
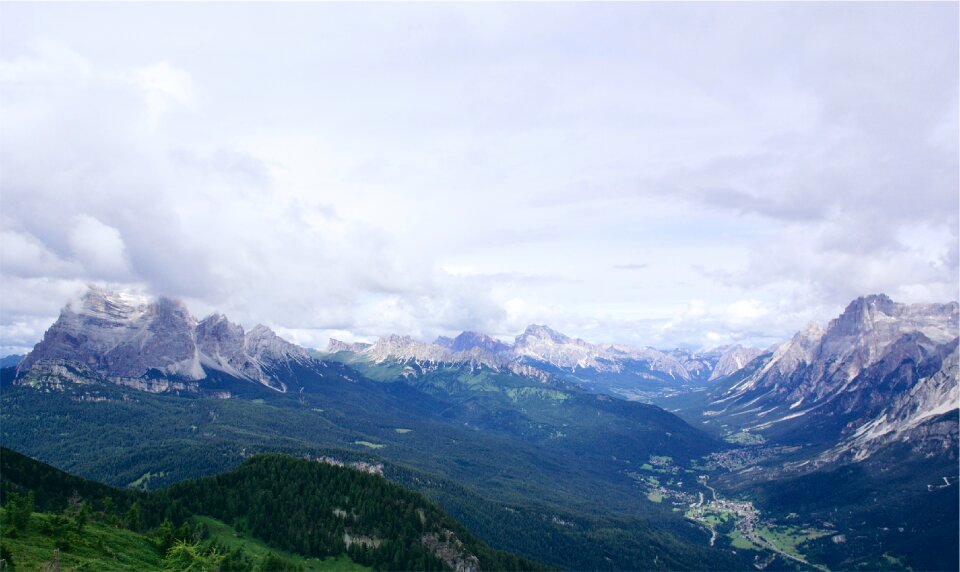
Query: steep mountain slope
point(822, 385)
point(855, 425)
point(155, 346)
point(732, 359)
point(919, 417)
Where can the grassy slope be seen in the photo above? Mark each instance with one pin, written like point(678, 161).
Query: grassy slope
point(99, 547)
point(105, 547)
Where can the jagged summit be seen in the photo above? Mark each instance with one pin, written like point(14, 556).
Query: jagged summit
point(539, 332)
point(540, 347)
point(467, 341)
point(123, 336)
point(732, 359)
point(873, 352)
point(334, 346)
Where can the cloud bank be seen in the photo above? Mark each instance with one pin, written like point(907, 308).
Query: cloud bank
point(648, 174)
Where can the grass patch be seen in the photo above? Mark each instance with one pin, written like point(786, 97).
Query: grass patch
point(401, 430)
point(98, 547)
point(738, 541)
point(229, 537)
point(788, 538)
point(369, 444)
point(655, 496)
point(143, 482)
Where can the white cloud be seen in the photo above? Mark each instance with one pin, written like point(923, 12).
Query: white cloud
point(99, 248)
point(164, 87)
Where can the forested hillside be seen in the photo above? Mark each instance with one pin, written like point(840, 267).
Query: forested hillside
point(297, 514)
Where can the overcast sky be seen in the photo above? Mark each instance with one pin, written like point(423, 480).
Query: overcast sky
point(650, 174)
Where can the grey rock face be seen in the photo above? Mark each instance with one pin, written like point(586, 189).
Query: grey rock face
point(127, 339)
point(870, 356)
point(917, 416)
point(467, 341)
point(123, 336)
point(733, 359)
point(335, 346)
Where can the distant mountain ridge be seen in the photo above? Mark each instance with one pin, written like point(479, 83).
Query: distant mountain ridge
point(540, 348)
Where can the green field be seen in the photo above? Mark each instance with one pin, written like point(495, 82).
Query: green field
point(737, 540)
point(788, 538)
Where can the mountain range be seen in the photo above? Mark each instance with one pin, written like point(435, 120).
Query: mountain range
point(158, 346)
point(543, 346)
point(839, 436)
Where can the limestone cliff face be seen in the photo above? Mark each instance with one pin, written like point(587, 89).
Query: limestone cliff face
point(120, 335)
point(133, 341)
point(919, 416)
point(876, 355)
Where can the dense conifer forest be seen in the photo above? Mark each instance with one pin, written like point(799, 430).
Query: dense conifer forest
point(306, 511)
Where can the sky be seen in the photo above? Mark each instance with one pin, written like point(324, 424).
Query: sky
point(643, 173)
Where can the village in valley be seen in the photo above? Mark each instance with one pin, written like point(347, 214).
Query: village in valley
point(734, 521)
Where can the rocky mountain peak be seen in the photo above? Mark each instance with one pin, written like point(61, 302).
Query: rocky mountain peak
point(875, 350)
point(104, 304)
point(542, 333)
point(733, 359)
point(122, 337)
point(405, 347)
point(334, 346)
point(263, 343)
point(862, 313)
point(467, 341)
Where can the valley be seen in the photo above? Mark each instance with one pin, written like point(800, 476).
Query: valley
point(534, 447)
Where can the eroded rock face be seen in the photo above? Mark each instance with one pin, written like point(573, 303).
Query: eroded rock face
point(468, 341)
point(918, 416)
point(732, 359)
point(335, 346)
point(448, 548)
point(876, 353)
point(120, 335)
point(133, 341)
